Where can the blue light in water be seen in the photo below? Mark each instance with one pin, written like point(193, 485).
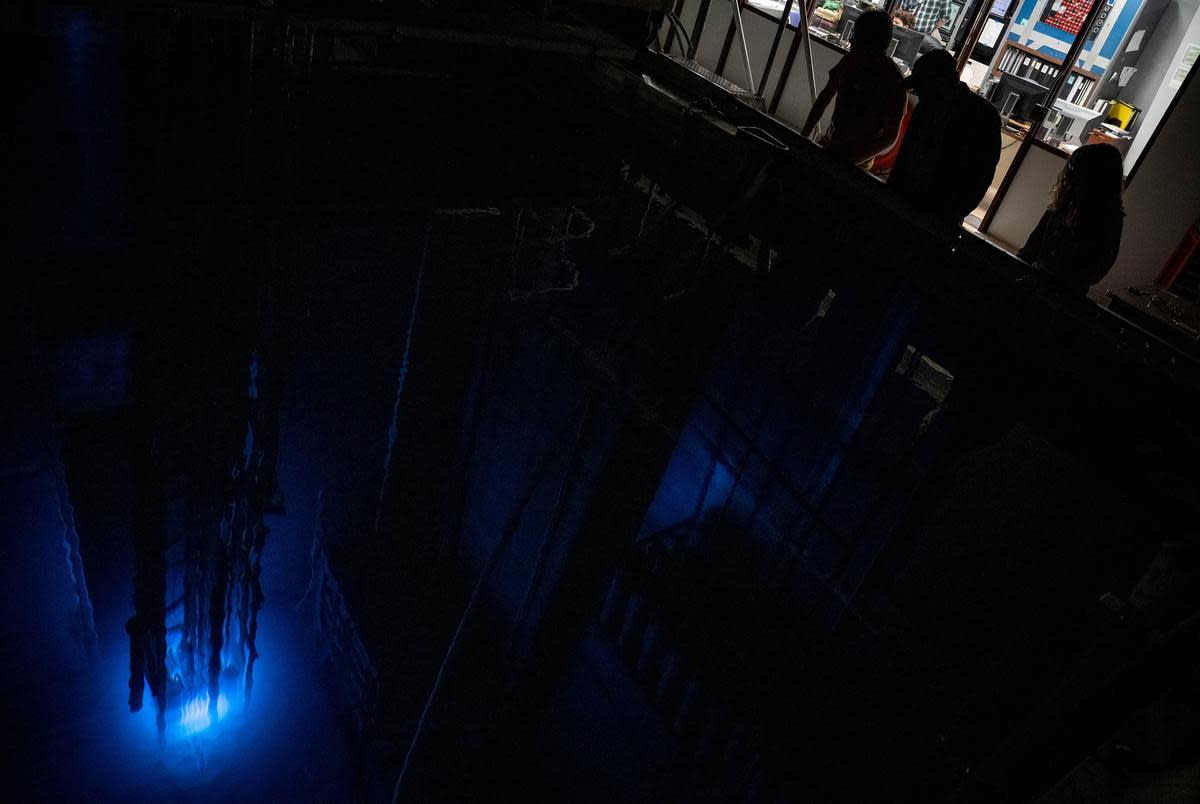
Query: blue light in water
point(195, 717)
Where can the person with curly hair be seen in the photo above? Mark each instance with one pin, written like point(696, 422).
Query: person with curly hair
point(1076, 242)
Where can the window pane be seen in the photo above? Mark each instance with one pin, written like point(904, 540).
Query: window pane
point(1133, 59)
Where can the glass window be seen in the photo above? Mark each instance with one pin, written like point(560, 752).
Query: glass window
point(829, 20)
point(921, 25)
point(1133, 60)
point(773, 7)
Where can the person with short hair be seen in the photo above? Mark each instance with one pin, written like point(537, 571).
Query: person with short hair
point(952, 144)
point(870, 95)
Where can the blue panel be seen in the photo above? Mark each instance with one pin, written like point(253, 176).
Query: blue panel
point(1054, 33)
point(1124, 20)
point(1025, 11)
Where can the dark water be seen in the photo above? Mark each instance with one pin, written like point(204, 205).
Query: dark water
point(477, 312)
point(401, 209)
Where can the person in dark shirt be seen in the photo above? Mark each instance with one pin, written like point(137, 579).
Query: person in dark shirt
point(952, 144)
point(870, 95)
point(1076, 242)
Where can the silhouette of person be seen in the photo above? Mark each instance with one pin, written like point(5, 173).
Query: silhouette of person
point(1077, 240)
point(952, 144)
point(870, 95)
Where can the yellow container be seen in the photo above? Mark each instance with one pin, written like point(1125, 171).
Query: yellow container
point(1125, 112)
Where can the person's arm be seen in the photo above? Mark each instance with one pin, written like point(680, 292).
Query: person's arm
point(945, 15)
point(878, 141)
point(979, 154)
point(1033, 244)
point(1104, 255)
point(823, 99)
point(818, 109)
point(890, 129)
point(1114, 245)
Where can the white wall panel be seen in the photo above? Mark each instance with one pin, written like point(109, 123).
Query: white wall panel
point(759, 34)
point(1027, 197)
point(796, 101)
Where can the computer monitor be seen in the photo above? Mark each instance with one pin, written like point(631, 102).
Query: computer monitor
point(908, 44)
point(1029, 93)
point(850, 15)
point(1075, 122)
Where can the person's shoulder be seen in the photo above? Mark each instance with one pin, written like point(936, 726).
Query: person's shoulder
point(1112, 220)
point(979, 105)
point(888, 65)
point(884, 69)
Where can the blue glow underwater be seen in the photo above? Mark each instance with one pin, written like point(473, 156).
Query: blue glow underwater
point(195, 716)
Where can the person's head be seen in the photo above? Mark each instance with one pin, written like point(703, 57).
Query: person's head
point(872, 33)
point(1091, 182)
point(934, 76)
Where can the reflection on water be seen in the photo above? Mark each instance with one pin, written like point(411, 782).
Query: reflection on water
point(196, 715)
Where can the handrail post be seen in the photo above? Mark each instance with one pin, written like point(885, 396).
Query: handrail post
point(787, 9)
point(737, 21)
point(973, 33)
point(802, 30)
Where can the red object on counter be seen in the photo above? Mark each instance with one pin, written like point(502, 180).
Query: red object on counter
point(884, 162)
point(1187, 251)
